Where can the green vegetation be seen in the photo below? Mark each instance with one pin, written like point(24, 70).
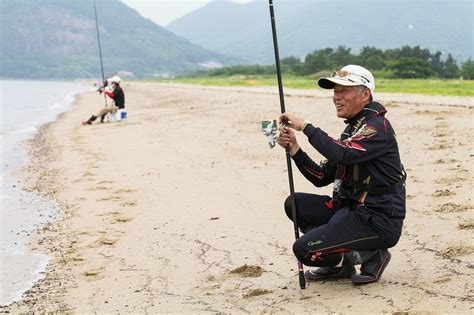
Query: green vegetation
point(290, 81)
point(411, 86)
point(404, 70)
point(400, 63)
point(427, 86)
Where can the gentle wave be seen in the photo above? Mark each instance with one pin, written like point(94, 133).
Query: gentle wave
point(18, 131)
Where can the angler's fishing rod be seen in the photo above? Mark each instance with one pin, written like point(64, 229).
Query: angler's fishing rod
point(287, 147)
point(100, 50)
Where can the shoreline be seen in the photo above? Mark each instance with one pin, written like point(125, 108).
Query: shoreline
point(111, 207)
point(37, 176)
point(26, 210)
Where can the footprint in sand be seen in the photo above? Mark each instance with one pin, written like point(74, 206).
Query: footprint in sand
point(451, 207)
point(446, 161)
point(123, 190)
point(443, 193)
point(87, 174)
point(108, 240)
point(108, 213)
point(442, 279)
point(450, 180)
point(392, 105)
point(103, 240)
point(441, 130)
point(97, 188)
point(117, 217)
point(459, 170)
point(256, 292)
point(111, 198)
point(441, 127)
point(245, 271)
point(442, 146)
point(77, 259)
point(466, 225)
point(87, 177)
point(94, 274)
point(122, 218)
point(105, 182)
point(109, 217)
point(128, 204)
point(456, 251)
point(426, 112)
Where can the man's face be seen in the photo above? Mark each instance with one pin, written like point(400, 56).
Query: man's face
point(349, 100)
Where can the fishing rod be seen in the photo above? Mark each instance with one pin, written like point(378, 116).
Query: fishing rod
point(287, 147)
point(100, 50)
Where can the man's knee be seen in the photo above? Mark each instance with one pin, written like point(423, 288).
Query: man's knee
point(307, 257)
point(288, 207)
point(299, 250)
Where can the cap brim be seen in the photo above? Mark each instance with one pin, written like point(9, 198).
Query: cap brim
point(329, 83)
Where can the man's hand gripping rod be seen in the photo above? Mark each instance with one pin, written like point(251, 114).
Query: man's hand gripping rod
point(287, 148)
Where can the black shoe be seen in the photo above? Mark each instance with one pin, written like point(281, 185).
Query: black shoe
point(90, 120)
point(330, 273)
point(372, 269)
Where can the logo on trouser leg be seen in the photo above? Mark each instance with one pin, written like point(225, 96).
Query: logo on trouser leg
point(317, 242)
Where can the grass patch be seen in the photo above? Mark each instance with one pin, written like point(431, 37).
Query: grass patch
point(409, 86)
point(427, 86)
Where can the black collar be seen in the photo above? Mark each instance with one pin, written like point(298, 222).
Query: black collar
point(370, 110)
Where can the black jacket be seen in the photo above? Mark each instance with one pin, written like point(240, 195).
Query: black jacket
point(118, 96)
point(364, 164)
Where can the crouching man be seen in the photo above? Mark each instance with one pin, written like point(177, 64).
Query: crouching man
point(364, 215)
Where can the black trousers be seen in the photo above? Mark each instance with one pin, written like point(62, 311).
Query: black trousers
point(328, 232)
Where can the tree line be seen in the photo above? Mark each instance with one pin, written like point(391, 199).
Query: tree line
point(402, 63)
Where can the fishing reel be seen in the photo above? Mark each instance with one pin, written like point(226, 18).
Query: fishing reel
point(271, 131)
point(102, 87)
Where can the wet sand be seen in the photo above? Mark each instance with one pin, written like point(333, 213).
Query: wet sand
point(179, 208)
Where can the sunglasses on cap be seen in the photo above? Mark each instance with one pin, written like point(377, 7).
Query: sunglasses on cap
point(346, 74)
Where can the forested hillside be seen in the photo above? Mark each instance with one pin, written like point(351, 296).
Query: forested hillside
point(243, 30)
point(57, 39)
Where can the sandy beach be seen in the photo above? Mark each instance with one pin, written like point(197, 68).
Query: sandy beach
point(179, 209)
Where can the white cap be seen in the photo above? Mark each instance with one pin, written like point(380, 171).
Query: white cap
point(350, 75)
point(115, 79)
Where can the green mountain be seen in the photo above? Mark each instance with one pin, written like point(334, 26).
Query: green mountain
point(58, 39)
point(244, 30)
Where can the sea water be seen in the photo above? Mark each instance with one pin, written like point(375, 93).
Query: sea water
point(25, 106)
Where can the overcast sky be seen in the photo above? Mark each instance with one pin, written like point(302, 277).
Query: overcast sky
point(163, 12)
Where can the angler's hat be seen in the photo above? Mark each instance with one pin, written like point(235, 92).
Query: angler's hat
point(115, 79)
point(350, 75)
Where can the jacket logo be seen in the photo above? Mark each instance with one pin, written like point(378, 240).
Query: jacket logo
point(364, 132)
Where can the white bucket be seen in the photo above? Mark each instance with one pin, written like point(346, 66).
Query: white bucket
point(120, 115)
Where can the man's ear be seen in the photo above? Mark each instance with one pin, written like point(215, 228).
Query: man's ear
point(367, 94)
